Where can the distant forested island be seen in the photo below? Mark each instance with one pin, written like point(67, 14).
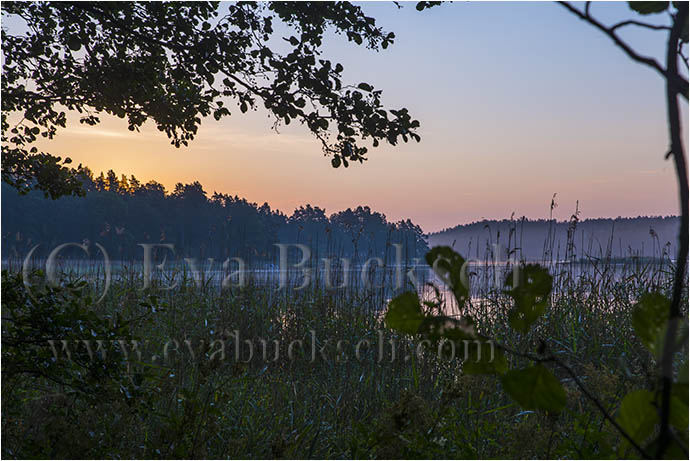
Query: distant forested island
point(121, 212)
point(643, 236)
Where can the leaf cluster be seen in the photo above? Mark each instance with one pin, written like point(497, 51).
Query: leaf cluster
point(535, 387)
point(175, 63)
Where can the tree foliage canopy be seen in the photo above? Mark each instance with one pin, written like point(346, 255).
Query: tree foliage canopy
point(175, 63)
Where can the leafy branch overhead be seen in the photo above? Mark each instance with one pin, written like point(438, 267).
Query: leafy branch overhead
point(175, 63)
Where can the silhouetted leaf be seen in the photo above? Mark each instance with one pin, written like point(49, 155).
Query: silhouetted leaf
point(535, 388)
point(637, 415)
point(484, 358)
point(424, 5)
point(679, 399)
point(648, 7)
point(531, 285)
point(649, 319)
point(74, 43)
point(438, 327)
point(447, 264)
point(404, 313)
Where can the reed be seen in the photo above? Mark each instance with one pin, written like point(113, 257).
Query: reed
point(190, 406)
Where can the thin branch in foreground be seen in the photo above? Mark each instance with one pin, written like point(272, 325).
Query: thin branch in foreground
point(638, 23)
point(675, 314)
point(682, 56)
point(583, 389)
point(600, 406)
point(679, 82)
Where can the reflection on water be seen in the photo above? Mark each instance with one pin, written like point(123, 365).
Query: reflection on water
point(486, 280)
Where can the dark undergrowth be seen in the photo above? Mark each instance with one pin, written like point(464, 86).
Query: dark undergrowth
point(185, 400)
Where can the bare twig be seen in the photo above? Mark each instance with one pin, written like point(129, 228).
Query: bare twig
point(682, 56)
point(581, 386)
point(679, 83)
point(638, 23)
point(600, 406)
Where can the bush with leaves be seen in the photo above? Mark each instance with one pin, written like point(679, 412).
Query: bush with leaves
point(53, 340)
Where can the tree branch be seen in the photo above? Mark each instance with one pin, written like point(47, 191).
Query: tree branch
point(683, 57)
point(679, 83)
point(675, 315)
point(638, 23)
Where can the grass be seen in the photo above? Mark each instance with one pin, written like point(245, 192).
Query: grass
point(190, 406)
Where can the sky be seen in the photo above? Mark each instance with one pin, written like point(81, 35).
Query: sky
point(517, 102)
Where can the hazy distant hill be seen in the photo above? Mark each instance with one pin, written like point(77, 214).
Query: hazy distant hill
point(619, 237)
